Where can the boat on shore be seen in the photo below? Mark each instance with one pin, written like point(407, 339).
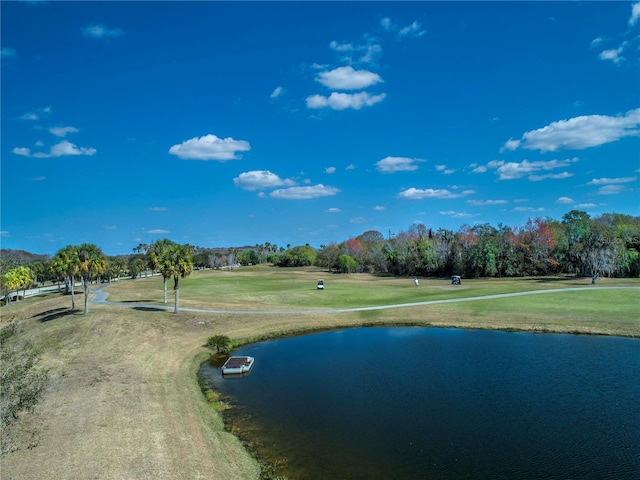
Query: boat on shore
point(237, 365)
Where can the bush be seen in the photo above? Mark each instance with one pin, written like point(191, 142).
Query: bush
point(23, 383)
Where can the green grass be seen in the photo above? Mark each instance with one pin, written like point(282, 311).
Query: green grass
point(271, 287)
point(263, 288)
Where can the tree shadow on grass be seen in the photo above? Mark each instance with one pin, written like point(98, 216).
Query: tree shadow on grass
point(150, 309)
point(137, 301)
point(55, 313)
point(567, 278)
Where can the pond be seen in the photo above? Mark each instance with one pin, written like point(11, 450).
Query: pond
point(429, 403)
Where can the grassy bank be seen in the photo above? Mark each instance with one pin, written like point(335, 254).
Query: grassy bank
point(123, 399)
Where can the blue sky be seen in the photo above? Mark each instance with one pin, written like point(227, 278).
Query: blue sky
point(228, 124)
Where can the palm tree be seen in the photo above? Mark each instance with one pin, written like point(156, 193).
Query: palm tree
point(181, 265)
point(92, 263)
point(160, 261)
point(66, 264)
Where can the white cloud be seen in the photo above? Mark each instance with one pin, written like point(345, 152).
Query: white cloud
point(366, 53)
point(333, 210)
point(412, 30)
point(66, 148)
point(419, 194)
point(330, 170)
point(277, 92)
point(61, 149)
point(387, 25)
point(62, 131)
point(7, 52)
point(259, 180)
point(528, 209)
point(564, 200)
point(358, 220)
point(98, 30)
point(29, 116)
point(351, 166)
point(210, 147)
point(510, 144)
point(304, 193)
point(22, 151)
point(454, 214)
point(514, 170)
point(378, 208)
point(157, 209)
point(610, 190)
point(41, 178)
point(635, 14)
point(397, 164)
point(613, 54)
point(581, 132)
point(445, 170)
point(342, 101)
point(158, 231)
point(609, 181)
point(486, 203)
point(346, 78)
point(551, 176)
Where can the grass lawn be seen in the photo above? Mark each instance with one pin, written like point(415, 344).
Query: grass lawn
point(123, 399)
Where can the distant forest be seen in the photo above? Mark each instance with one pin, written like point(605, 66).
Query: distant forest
point(607, 245)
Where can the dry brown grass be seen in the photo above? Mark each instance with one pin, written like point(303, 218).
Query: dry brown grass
point(124, 403)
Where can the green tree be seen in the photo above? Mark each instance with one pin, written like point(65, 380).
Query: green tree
point(66, 263)
point(92, 263)
point(160, 261)
point(20, 277)
point(221, 343)
point(346, 264)
point(180, 264)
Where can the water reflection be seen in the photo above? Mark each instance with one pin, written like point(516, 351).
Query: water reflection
point(415, 403)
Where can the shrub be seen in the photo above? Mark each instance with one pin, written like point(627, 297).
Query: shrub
point(221, 343)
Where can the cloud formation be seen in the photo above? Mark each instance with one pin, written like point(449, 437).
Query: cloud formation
point(342, 101)
point(61, 149)
point(397, 164)
point(304, 193)
point(346, 78)
point(98, 30)
point(210, 147)
point(260, 180)
point(533, 170)
point(579, 133)
point(62, 131)
point(419, 194)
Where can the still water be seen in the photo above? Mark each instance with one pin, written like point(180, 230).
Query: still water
point(425, 403)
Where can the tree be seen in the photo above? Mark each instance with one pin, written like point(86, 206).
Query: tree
point(221, 343)
point(160, 260)
point(180, 264)
point(346, 264)
point(20, 277)
point(66, 263)
point(92, 263)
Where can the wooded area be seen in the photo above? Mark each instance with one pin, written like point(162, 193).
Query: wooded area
point(578, 245)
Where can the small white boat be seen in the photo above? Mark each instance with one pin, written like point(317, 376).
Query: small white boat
point(237, 365)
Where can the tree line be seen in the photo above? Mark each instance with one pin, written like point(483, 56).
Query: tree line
point(577, 244)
